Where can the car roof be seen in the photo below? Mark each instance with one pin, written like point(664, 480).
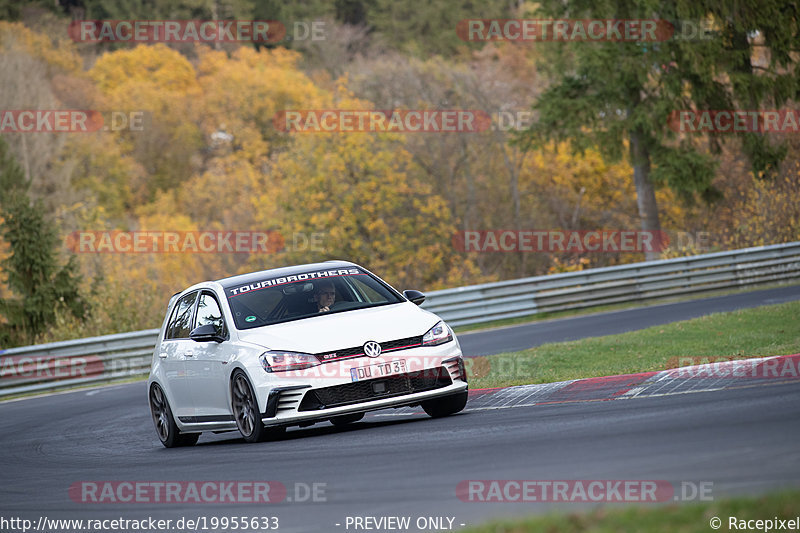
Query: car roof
point(252, 277)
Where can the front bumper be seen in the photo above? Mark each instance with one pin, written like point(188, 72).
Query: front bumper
point(300, 418)
point(331, 390)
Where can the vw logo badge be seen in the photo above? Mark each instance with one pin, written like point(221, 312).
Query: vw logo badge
point(372, 349)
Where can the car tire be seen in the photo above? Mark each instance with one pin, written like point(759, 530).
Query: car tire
point(166, 429)
point(245, 410)
point(346, 419)
point(446, 405)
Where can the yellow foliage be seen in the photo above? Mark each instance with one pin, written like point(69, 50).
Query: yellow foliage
point(60, 53)
point(242, 94)
point(755, 211)
point(362, 192)
point(144, 66)
point(583, 192)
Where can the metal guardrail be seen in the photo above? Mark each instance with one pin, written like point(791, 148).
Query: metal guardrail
point(635, 282)
point(59, 365)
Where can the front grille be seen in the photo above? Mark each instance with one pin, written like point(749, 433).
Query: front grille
point(387, 346)
point(400, 344)
point(364, 391)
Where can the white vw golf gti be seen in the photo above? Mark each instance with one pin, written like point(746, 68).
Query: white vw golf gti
point(293, 346)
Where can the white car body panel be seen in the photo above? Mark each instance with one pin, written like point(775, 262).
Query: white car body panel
point(196, 376)
point(344, 330)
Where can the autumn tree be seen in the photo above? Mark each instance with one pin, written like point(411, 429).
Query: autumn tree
point(160, 83)
point(35, 74)
point(618, 96)
point(38, 284)
point(756, 58)
point(487, 181)
point(363, 193)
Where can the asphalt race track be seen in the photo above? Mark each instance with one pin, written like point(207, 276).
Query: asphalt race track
point(514, 338)
point(740, 440)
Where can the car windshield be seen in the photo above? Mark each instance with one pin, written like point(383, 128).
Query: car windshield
point(273, 300)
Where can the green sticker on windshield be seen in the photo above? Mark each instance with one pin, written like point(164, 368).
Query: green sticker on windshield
point(251, 318)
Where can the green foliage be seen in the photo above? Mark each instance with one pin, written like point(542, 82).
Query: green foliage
point(605, 92)
point(12, 10)
point(425, 28)
point(686, 171)
point(676, 518)
point(32, 273)
point(9, 10)
point(756, 51)
point(167, 9)
point(290, 12)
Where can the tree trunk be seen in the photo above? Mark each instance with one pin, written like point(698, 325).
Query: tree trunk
point(645, 192)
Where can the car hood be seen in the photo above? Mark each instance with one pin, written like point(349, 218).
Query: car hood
point(347, 329)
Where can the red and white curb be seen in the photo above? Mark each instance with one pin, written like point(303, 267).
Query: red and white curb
point(698, 378)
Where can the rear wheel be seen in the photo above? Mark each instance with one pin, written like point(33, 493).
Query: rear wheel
point(346, 419)
point(446, 405)
point(167, 430)
point(246, 413)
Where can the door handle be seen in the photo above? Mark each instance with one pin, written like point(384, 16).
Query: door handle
point(163, 355)
point(188, 353)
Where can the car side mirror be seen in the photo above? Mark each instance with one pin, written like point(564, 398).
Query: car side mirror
point(206, 333)
point(414, 296)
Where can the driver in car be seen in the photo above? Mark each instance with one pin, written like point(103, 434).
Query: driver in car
point(324, 295)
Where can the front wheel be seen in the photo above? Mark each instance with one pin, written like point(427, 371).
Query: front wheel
point(446, 405)
point(167, 430)
point(246, 413)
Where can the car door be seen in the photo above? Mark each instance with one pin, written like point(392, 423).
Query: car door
point(207, 368)
point(173, 353)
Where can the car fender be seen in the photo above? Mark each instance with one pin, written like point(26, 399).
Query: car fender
point(251, 367)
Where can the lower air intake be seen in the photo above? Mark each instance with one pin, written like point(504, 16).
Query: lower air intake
point(375, 389)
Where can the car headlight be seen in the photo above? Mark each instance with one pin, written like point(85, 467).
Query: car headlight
point(438, 334)
point(281, 361)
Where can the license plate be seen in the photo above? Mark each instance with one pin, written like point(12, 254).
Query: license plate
point(378, 370)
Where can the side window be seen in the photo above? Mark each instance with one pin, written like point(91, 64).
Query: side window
point(179, 324)
point(208, 312)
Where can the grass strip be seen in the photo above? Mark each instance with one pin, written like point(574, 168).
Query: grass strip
point(685, 518)
point(756, 332)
